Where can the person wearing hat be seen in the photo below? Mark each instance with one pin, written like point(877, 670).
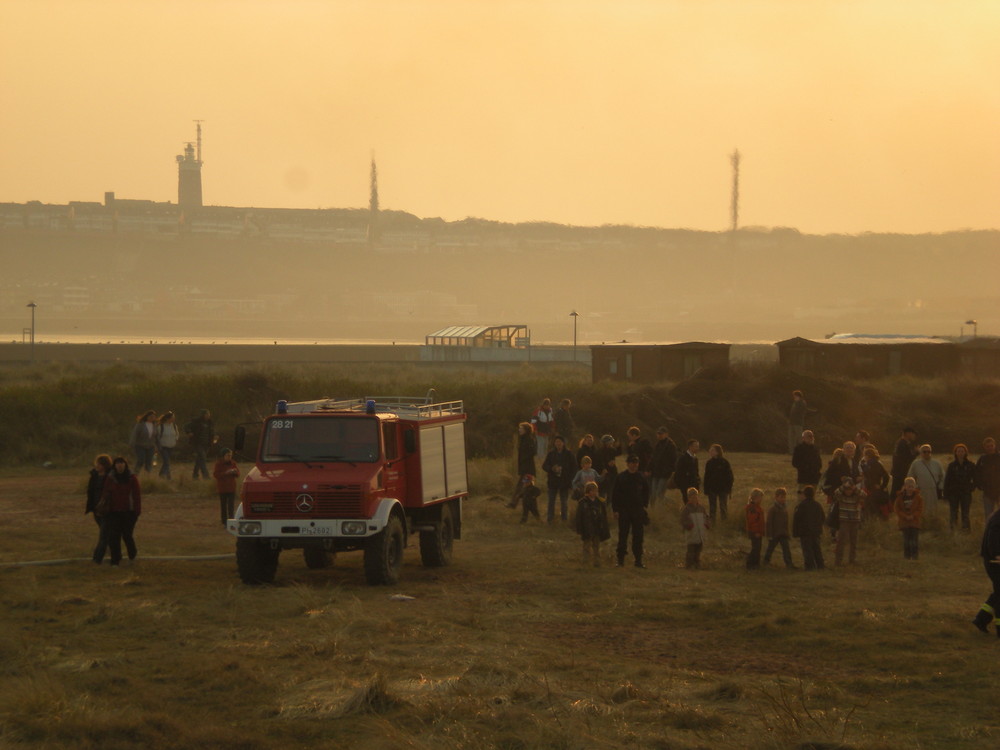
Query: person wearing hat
point(929, 474)
point(662, 464)
point(629, 503)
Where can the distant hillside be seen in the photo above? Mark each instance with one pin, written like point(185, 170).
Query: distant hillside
point(313, 274)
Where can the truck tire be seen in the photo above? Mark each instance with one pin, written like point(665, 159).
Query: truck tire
point(435, 546)
point(317, 558)
point(256, 561)
point(384, 554)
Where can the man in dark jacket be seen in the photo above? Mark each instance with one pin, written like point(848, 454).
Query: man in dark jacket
point(563, 418)
point(807, 461)
point(560, 465)
point(990, 551)
point(686, 472)
point(661, 466)
point(201, 433)
point(777, 528)
point(988, 476)
point(629, 503)
point(606, 466)
point(637, 445)
point(902, 458)
point(807, 526)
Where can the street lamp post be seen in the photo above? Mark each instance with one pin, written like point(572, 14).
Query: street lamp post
point(32, 305)
point(574, 315)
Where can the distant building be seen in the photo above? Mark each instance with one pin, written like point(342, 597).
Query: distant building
point(189, 176)
point(493, 337)
point(508, 344)
point(980, 356)
point(651, 363)
point(871, 356)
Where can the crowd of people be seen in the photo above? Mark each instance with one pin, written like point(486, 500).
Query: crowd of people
point(853, 488)
point(114, 491)
point(155, 437)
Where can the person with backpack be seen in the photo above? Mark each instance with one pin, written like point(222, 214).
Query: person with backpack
point(167, 436)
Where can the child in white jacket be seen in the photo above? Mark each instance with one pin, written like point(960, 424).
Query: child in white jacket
point(694, 521)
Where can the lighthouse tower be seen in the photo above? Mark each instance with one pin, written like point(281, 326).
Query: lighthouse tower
point(189, 175)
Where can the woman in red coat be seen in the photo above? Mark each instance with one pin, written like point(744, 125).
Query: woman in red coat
point(121, 489)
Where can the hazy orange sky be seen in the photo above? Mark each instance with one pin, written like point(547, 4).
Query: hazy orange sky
point(850, 116)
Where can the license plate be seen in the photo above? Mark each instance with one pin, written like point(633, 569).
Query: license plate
point(316, 530)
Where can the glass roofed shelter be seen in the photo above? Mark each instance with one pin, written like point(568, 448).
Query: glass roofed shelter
point(490, 337)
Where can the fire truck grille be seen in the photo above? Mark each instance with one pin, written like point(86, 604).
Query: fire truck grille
point(328, 502)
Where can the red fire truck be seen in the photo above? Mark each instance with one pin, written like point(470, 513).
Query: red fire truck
point(353, 474)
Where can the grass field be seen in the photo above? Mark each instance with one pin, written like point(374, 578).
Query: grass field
point(516, 645)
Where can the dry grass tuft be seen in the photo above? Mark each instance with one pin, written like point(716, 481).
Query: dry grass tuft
point(371, 698)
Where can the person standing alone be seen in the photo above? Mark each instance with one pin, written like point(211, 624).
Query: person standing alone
point(201, 433)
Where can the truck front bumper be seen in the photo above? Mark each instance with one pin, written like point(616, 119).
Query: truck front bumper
point(311, 528)
point(355, 528)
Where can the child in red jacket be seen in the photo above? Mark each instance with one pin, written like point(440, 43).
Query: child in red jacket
point(225, 474)
point(756, 526)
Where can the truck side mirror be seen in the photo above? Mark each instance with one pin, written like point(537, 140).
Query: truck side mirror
point(410, 441)
point(239, 437)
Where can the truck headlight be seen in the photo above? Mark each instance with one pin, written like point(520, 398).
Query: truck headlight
point(353, 528)
point(249, 528)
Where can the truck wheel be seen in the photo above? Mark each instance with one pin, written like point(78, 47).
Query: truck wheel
point(256, 561)
point(384, 554)
point(317, 558)
point(435, 546)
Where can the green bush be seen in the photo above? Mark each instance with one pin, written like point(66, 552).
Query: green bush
point(66, 413)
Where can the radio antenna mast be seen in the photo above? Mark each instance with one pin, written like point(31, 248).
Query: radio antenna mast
point(198, 123)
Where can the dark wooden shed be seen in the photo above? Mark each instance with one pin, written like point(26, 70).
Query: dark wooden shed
point(870, 356)
point(980, 356)
point(649, 363)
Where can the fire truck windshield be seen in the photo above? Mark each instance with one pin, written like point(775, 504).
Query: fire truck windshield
point(320, 438)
